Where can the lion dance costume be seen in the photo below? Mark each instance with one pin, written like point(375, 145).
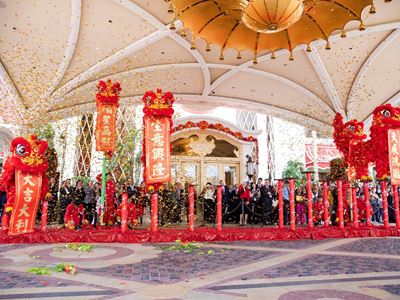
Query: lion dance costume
point(350, 138)
point(25, 182)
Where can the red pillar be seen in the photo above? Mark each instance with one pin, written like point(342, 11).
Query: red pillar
point(385, 205)
point(191, 208)
point(309, 202)
point(124, 213)
point(4, 222)
point(154, 213)
point(43, 224)
point(367, 204)
point(326, 204)
point(355, 206)
point(292, 206)
point(340, 204)
point(280, 203)
point(219, 208)
point(396, 205)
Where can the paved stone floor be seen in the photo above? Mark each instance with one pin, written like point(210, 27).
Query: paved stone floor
point(350, 269)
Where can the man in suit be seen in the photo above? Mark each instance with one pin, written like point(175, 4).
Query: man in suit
point(130, 188)
point(267, 196)
point(225, 198)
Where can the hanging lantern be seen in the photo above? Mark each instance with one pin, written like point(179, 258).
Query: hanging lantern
point(269, 16)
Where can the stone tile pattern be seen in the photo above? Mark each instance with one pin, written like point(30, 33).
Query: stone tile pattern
point(12, 280)
point(173, 266)
point(380, 246)
point(299, 244)
point(315, 265)
point(394, 289)
point(9, 247)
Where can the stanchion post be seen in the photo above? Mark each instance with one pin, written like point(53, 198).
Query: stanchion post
point(43, 223)
point(325, 203)
point(124, 213)
point(355, 206)
point(309, 200)
point(154, 213)
point(191, 208)
point(367, 204)
point(219, 208)
point(385, 205)
point(292, 205)
point(396, 205)
point(280, 203)
point(340, 204)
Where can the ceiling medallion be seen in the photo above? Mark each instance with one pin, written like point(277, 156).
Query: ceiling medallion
point(265, 26)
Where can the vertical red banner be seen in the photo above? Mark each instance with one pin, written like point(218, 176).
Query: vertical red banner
point(106, 134)
point(27, 189)
point(394, 155)
point(157, 145)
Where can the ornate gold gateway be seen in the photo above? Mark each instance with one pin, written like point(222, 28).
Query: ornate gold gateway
point(266, 25)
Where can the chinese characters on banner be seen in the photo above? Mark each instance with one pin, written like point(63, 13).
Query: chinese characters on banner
point(394, 155)
point(23, 216)
point(105, 127)
point(157, 144)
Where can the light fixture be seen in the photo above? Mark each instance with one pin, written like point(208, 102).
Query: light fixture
point(263, 26)
point(250, 167)
point(269, 16)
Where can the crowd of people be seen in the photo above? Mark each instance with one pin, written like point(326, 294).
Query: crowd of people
point(75, 206)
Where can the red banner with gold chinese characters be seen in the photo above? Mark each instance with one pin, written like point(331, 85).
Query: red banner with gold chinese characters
point(106, 134)
point(394, 155)
point(107, 99)
point(28, 188)
point(157, 145)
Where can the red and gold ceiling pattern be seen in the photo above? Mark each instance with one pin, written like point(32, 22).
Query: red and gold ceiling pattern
point(263, 26)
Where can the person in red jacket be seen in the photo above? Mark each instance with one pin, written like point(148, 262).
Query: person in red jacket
point(74, 215)
point(245, 197)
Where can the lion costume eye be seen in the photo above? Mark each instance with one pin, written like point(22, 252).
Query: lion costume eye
point(20, 150)
point(352, 128)
point(386, 113)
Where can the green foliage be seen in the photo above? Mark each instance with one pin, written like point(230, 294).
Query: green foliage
point(45, 132)
point(294, 170)
point(125, 163)
point(84, 179)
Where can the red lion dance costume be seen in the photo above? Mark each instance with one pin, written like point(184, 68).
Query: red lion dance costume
point(385, 117)
point(25, 182)
point(350, 138)
point(156, 105)
point(109, 217)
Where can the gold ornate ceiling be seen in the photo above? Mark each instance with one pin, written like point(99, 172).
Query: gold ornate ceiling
point(263, 26)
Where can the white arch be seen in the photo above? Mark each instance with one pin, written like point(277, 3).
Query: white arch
point(368, 62)
point(76, 11)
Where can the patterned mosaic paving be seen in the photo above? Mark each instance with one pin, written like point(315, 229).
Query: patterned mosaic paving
point(380, 246)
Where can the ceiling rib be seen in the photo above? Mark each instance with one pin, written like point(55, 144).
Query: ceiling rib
point(76, 10)
point(14, 108)
point(364, 68)
point(239, 103)
point(249, 63)
point(325, 79)
point(139, 11)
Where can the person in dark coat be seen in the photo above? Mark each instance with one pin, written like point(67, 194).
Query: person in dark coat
point(267, 196)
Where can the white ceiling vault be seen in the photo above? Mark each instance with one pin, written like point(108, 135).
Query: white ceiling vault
point(54, 52)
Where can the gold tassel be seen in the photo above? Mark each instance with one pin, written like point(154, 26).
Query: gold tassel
point(344, 34)
point(239, 56)
point(221, 57)
point(328, 46)
point(172, 26)
point(183, 33)
point(372, 10)
point(273, 55)
point(192, 46)
point(291, 57)
point(208, 49)
point(308, 48)
point(170, 10)
point(255, 61)
point(362, 26)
